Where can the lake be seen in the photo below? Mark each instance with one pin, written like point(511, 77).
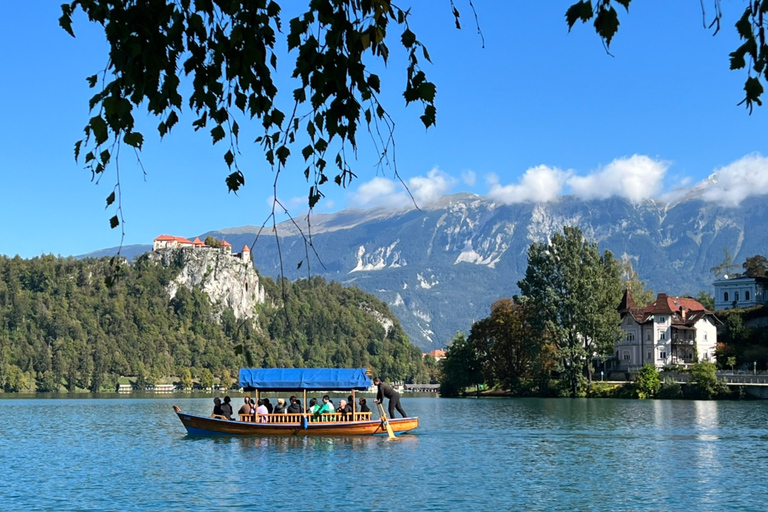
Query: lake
point(469, 454)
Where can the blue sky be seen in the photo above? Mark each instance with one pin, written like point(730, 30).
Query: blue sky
point(536, 113)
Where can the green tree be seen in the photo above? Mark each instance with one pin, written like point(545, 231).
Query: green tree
point(756, 266)
point(647, 382)
point(505, 344)
point(705, 381)
point(461, 367)
point(186, 379)
point(15, 379)
point(706, 299)
point(574, 289)
point(731, 361)
point(225, 381)
point(206, 379)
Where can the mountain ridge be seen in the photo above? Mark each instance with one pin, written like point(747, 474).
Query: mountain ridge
point(440, 267)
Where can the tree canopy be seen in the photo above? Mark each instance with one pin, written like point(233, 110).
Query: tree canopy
point(62, 327)
point(574, 290)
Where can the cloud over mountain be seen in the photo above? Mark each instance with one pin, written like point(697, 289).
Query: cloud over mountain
point(733, 183)
point(539, 184)
point(636, 178)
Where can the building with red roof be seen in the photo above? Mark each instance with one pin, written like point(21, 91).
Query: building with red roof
point(437, 354)
point(170, 242)
point(669, 330)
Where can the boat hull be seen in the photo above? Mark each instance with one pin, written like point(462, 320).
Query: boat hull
point(204, 426)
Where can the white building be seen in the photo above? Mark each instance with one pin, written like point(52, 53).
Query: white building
point(740, 292)
point(670, 330)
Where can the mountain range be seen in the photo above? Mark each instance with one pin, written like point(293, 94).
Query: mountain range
point(440, 267)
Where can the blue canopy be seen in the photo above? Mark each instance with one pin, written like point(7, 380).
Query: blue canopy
point(317, 379)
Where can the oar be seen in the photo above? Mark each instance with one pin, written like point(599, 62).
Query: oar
point(385, 421)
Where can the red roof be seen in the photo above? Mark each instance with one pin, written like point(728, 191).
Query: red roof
point(198, 242)
point(246, 249)
point(169, 238)
point(683, 310)
point(224, 243)
point(437, 353)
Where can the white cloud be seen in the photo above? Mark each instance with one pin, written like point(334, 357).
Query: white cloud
point(391, 194)
point(734, 182)
point(635, 178)
point(469, 178)
point(430, 189)
point(539, 184)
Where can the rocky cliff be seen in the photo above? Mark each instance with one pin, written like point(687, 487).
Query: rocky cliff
point(229, 280)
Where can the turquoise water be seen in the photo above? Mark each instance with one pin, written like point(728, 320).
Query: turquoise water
point(488, 454)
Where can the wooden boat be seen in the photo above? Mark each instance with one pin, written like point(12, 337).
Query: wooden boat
point(302, 424)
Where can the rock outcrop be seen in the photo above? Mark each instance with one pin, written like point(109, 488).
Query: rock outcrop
point(229, 279)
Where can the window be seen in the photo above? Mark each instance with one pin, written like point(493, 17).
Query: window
point(661, 319)
point(662, 335)
point(626, 355)
point(746, 295)
point(630, 336)
point(725, 296)
point(648, 355)
point(648, 336)
point(662, 355)
point(736, 296)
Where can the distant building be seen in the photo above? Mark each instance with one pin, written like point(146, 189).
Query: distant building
point(171, 242)
point(438, 354)
point(178, 242)
point(741, 292)
point(670, 330)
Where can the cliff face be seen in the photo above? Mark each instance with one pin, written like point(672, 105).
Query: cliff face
point(229, 280)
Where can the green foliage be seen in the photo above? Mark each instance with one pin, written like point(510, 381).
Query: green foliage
point(15, 380)
point(186, 379)
point(228, 52)
point(706, 299)
point(705, 382)
point(206, 379)
point(505, 344)
point(670, 389)
point(574, 290)
point(61, 325)
point(756, 266)
point(461, 367)
point(752, 53)
point(212, 242)
point(647, 382)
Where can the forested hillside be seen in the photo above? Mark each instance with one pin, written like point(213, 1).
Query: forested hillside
point(62, 328)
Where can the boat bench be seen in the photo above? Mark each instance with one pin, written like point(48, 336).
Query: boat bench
point(336, 417)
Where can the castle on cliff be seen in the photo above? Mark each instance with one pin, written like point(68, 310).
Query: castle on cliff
point(177, 242)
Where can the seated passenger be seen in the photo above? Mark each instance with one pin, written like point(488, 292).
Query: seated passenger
point(344, 409)
point(268, 405)
point(327, 406)
point(216, 407)
point(262, 413)
point(280, 407)
point(226, 408)
point(295, 406)
point(364, 405)
point(246, 407)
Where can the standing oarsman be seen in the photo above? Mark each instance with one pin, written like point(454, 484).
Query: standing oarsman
point(386, 391)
